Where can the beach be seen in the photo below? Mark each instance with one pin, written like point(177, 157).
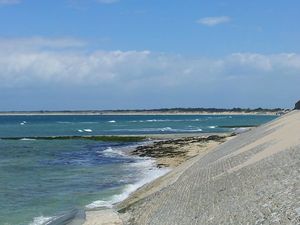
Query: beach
point(117, 112)
point(94, 163)
point(253, 178)
point(169, 151)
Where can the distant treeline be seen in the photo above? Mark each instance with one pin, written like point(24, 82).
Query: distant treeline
point(200, 110)
point(165, 110)
point(162, 110)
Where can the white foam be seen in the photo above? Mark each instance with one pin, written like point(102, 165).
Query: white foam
point(41, 220)
point(139, 130)
point(164, 120)
point(80, 131)
point(122, 151)
point(212, 127)
point(194, 130)
point(148, 172)
point(166, 129)
point(99, 204)
point(88, 130)
point(181, 130)
point(87, 122)
point(27, 139)
point(241, 130)
point(112, 152)
point(199, 129)
point(163, 129)
point(112, 121)
point(22, 123)
point(154, 120)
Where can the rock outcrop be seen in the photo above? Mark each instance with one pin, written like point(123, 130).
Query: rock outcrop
point(297, 105)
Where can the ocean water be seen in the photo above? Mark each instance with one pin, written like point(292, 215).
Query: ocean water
point(40, 180)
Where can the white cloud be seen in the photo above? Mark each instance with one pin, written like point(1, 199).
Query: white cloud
point(64, 61)
point(9, 2)
point(272, 63)
point(33, 63)
point(213, 21)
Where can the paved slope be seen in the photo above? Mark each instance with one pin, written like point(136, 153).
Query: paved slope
point(252, 179)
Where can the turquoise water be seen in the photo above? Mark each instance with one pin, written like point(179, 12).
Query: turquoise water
point(22, 126)
point(41, 179)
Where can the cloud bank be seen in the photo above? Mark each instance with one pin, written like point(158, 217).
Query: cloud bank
point(213, 21)
point(66, 64)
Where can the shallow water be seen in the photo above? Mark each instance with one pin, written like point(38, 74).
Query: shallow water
point(40, 179)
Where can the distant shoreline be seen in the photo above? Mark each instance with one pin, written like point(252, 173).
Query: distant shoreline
point(181, 111)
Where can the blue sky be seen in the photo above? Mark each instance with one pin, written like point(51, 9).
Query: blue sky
point(109, 54)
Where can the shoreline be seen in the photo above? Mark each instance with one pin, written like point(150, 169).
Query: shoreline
point(172, 152)
point(189, 141)
point(240, 180)
point(210, 187)
point(177, 152)
point(144, 113)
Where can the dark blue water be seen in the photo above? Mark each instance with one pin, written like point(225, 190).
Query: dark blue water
point(40, 179)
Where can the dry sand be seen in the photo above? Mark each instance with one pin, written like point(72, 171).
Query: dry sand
point(102, 217)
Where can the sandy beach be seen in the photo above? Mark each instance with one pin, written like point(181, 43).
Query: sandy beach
point(251, 179)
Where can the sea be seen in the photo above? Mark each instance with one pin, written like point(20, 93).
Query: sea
point(47, 181)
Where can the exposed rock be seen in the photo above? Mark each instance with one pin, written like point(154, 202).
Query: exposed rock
point(297, 105)
point(172, 148)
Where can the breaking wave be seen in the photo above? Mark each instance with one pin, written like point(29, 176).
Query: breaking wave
point(148, 172)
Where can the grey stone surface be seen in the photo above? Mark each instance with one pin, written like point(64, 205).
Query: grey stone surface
point(266, 192)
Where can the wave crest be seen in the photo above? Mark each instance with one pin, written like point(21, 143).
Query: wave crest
point(148, 171)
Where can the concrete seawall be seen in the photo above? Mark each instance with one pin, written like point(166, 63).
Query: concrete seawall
point(251, 179)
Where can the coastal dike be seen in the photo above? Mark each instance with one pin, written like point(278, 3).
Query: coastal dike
point(254, 178)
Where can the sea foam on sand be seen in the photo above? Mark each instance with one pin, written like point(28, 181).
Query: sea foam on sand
point(148, 172)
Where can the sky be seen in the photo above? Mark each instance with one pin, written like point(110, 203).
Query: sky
point(143, 54)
